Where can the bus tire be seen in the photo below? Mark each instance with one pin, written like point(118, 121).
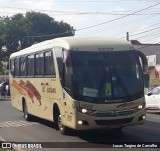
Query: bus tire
point(58, 121)
point(61, 127)
point(26, 115)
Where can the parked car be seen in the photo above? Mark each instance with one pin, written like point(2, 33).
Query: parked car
point(153, 99)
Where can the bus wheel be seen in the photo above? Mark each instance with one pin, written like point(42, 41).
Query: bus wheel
point(26, 115)
point(62, 128)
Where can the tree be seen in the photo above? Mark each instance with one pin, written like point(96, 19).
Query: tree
point(20, 31)
point(38, 24)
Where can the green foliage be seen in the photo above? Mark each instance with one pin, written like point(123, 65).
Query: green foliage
point(15, 31)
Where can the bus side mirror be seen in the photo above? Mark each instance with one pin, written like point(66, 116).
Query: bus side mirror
point(146, 80)
point(144, 61)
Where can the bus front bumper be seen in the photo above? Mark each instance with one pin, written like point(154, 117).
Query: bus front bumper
point(88, 122)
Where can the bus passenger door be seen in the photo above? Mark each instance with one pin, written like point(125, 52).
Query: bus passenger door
point(68, 109)
point(64, 75)
point(67, 89)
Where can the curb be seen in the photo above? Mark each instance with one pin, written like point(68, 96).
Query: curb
point(5, 98)
point(17, 149)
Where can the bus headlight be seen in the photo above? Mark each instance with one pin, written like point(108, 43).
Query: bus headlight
point(140, 106)
point(83, 110)
point(87, 111)
point(80, 122)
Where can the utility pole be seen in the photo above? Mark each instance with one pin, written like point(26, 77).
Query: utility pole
point(127, 38)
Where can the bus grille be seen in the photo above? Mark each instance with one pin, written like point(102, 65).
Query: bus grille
point(110, 122)
point(114, 113)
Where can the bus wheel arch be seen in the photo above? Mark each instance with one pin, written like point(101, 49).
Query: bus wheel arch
point(26, 115)
point(58, 120)
point(23, 103)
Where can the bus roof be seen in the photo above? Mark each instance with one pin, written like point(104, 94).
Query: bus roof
point(79, 43)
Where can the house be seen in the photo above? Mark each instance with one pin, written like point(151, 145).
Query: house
point(152, 51)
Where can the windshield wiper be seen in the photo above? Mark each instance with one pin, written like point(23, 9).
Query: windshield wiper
point(101, 83)
point(122, 84)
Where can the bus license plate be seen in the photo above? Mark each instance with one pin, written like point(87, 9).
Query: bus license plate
point(114, 126)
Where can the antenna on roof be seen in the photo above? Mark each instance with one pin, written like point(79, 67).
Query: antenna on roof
point(127, 38)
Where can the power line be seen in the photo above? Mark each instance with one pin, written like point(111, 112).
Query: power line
point(60, 12)
point(122, 24)
point(102, 22)
point(91, 1)
point(20, 8)
point(104, 13)
point(67, 32)
point(118, 17)
point(144, 32)
point(102, 0)
point(148, 36)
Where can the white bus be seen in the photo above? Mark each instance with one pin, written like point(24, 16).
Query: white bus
point(80, 83)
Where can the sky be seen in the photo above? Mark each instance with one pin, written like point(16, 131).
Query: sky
point(103, 18)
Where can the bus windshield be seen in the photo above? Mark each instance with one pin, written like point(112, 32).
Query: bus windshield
point(107, 75)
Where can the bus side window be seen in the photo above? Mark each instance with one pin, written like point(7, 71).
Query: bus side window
point(12, 67)
point(59, 57)
point(30, 65)
point(22, 66)
point(49, 64)
point(16, 65)
point(39, 64)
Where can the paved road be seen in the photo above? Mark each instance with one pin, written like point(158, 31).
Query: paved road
point(14, 128)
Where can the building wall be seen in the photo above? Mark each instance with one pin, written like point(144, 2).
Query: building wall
point(151, 49)
point(155, 76)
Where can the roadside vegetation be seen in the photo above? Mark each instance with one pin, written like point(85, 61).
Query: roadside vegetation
point(23, 30)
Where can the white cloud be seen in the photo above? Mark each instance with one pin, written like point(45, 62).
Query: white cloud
point(119, 9)
point(144, 35)
point(141, 29)
point(157, 40)
point(82, 21)
point(11, 7)
point(76, 20)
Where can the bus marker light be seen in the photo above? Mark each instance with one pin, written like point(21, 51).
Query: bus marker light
point(140, 107)
point(143, 117)
point(80, 122)
point(84, 110)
